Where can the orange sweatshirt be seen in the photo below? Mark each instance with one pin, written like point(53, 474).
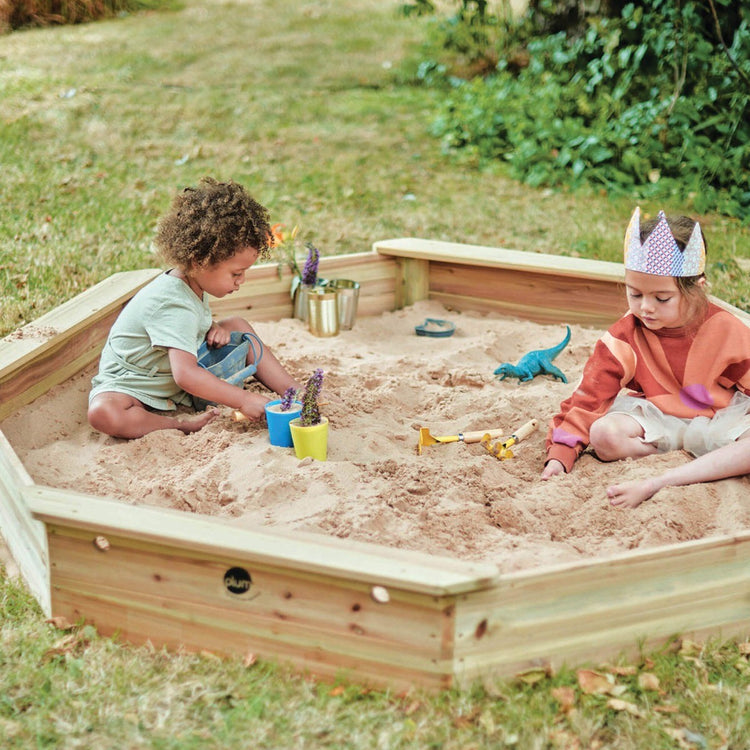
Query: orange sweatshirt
point(686, 372)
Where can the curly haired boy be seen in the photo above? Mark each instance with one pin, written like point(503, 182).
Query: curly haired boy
point(150, 363)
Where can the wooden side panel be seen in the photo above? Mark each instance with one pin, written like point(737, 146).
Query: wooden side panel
point(542, 298)
point(61, 343)
point(178, 598)
point(265, 295)
point(600, 609)
point(24, 535)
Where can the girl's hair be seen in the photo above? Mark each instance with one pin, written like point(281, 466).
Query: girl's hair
point(682, 227)
point(209, 223)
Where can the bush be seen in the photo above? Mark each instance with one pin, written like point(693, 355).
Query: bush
point(18, 14)
point(648, 103)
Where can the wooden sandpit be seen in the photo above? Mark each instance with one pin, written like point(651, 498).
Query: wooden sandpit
point(397, 568)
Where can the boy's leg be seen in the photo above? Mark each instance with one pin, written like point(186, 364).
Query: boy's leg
point(123, 416)
point(615, 436)
point(270, 371)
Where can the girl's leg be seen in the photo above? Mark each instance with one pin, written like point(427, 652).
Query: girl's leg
point(270, 371)
point(616, 436)
point(123, 416)
point(731, 460)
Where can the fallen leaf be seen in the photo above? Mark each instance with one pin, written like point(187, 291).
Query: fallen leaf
point(690, 648)
point(668, 709)
point(533, 675)
point(566, 697)
point(338, 690)
point(464, 721)
point(648, 681)
point(621, 671)
point(594, 683)
point(616, 704)
point(564, 739)
point(60, 622)
point(412, 707)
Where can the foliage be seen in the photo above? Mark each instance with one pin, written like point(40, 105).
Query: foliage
point(648, 104)
point(310, 414)
point(340, 147)
point(17, 14)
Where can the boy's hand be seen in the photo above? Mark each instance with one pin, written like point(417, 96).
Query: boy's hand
point(552, 469)
point(217, 336)
point(253, 405)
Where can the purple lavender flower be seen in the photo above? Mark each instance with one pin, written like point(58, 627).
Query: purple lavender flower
point(310, 412)
point(310, 271)
point(288, 399)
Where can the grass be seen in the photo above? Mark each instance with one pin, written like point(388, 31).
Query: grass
point(305, 104)
point(73, 689)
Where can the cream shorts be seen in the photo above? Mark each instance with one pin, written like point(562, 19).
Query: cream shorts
point(698, 435)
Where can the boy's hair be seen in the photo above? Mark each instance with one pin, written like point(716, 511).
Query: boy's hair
point(209, 223)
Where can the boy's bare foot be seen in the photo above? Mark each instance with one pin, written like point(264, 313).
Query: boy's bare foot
point(631, 494)
point(198, 421)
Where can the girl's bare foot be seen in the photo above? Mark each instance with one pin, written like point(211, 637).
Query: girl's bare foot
point(198, 421)
point(631, 494)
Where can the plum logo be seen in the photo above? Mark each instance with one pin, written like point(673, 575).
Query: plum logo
point(237, 581)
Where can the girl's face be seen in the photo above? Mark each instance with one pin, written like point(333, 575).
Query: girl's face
point(225, 277)
point(656, 300)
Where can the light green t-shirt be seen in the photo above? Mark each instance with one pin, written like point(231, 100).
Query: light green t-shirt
point(165, 314)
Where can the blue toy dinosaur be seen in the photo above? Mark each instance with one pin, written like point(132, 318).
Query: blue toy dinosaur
point(538, 362)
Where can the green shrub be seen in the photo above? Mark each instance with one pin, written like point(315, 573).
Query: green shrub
point(647, 103)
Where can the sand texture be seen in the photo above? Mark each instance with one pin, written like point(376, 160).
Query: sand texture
point(385, 382)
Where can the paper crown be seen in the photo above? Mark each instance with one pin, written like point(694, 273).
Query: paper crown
point(660, 254)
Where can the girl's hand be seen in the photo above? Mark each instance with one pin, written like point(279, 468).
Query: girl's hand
point(552, 469)
point(217, 336)
point(253, 405)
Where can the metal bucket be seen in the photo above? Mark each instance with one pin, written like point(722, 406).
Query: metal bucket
point(348, 296)
point(323, 312)
point(300, 298)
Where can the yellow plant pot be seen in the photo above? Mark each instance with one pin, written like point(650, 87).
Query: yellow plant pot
point(310, 440)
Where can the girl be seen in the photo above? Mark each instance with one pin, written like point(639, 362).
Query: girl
point(685, 361)
point(212, 235)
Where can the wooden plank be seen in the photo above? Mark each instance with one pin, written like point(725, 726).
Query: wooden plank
point(62, 342)
point(599, 608)
point(544, 298)
point(413, 282)
point(24, 536)
point(265, 294)
point(358, 561)
point(289, 609)
point(455, 253)
point(137, 625)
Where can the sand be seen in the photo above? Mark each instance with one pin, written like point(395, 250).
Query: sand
point(385, 382)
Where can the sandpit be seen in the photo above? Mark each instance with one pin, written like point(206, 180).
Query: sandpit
point(385, 382)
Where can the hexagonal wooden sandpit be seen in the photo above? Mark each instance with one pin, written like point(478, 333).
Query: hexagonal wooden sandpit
point(331, 606)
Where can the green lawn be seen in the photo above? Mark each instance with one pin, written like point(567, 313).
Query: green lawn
point(306, 104)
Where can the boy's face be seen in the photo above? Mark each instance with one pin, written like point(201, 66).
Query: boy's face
point(655, 300)
point(220, 279)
